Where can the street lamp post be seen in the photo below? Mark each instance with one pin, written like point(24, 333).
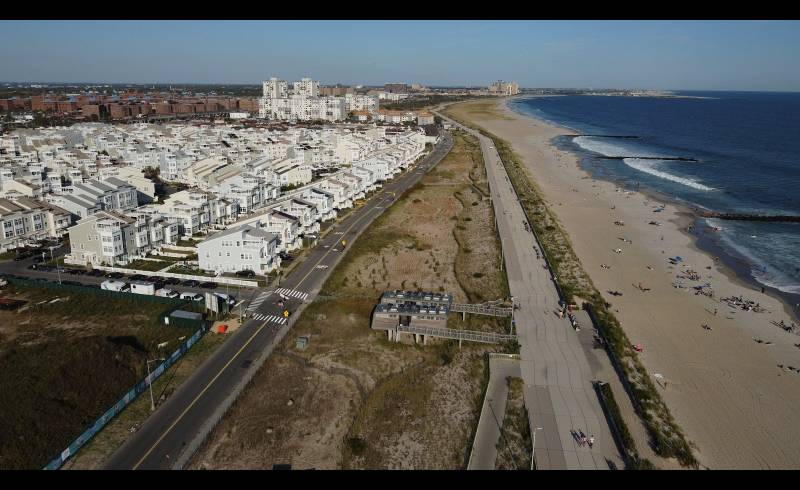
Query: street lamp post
point(533, 449)
point(58, 269)
point(152, 401)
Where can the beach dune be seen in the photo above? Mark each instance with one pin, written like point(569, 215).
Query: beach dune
point(724, 388)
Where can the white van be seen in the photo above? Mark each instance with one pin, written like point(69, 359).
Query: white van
point(143, 287)
point(167, 293)
point(112, 285)
point(192, 296)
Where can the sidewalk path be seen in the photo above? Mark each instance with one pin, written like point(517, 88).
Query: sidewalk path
point(484, 448)
point(558, 392)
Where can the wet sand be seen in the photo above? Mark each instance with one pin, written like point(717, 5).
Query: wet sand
point(724, 389)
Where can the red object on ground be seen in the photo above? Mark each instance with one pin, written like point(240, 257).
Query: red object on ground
point(222, 329)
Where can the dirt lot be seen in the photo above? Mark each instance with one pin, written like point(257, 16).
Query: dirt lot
point(64, 363)
point(352, 399)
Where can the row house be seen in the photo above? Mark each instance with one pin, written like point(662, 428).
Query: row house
point(286, 226)
point(26, 220)
point(323, 200)
point(250, 192)
point(197, 210)
point(112, 193)
point(305, 211)
point(113, 238)
point(342, 193)
point(242, 248)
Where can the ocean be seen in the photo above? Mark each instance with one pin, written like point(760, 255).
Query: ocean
point(736, 152)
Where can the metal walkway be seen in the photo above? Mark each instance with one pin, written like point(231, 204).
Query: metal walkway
point(450, 333)
point(480, 309)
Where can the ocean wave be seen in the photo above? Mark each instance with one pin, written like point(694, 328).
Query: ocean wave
point(610, 148)
point(763, 272)
point(650, 167)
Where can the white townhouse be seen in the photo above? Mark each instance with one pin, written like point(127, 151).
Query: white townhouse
point(380, 168)
point(305, 211)
point(25, 220)
point(357, 184)
point(323, 200)
point(242, 248)
point(342, 193)
point(286, 226)
point(250, 192)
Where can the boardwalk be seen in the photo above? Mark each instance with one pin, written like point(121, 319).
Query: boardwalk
point(558, 390)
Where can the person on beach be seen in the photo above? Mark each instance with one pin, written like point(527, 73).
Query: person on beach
point(591, 441)
point(583, 441)
point(715, 312)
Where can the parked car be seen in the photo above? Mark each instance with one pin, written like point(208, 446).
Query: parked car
point(192, 296)
point(207, 285)
point(172, 281)
point(246, 273)
point(191, 283)
point(95, 273)
point(138, 277)
point(115, 275)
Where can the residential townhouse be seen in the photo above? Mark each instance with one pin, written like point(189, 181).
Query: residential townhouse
point(286, 226)
point(110, 237)
point(241, 248)
point(26, 220)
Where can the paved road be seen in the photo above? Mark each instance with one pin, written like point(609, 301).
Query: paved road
point(487, 436)
point(175, 424)
point(558, 392)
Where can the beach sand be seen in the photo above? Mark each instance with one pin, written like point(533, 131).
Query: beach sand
point(724, 389)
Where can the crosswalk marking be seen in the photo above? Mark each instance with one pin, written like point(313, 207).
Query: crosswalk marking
point(292, 293)
point(270, 318)
point(259, 299)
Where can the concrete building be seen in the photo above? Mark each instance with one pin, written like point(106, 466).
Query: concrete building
point(242, 248)
point(411, 309)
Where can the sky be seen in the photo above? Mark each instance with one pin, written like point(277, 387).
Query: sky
point(669, 55)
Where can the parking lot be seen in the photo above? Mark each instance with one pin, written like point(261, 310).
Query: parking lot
point(33, 267)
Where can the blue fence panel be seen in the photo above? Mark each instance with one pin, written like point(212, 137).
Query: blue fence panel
point(131, 395)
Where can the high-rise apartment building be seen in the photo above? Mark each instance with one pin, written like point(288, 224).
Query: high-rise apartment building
point(302, 103)
point(276, 89)
point(306, 88)
point(505, 88)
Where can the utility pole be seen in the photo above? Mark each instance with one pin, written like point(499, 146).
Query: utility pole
point(150, 384)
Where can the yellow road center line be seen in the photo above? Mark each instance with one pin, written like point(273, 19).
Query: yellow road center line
point(198, 396)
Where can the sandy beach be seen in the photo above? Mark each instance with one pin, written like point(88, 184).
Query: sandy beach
point(724, 387)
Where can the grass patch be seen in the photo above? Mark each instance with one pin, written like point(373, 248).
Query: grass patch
point(66, 362)
point(147, 265)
